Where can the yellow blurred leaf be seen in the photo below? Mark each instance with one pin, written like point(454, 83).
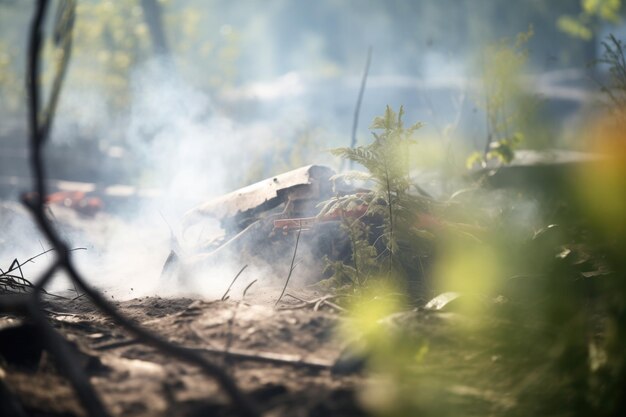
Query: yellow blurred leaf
point(574, 27)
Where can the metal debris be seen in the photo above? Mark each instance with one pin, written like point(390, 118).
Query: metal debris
point(295, 189)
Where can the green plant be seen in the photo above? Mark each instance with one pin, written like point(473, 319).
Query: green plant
point(364, 256)
point(503, 95)
point(391, 243)
point(538, 325)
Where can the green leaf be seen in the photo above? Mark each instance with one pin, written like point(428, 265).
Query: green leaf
point(414, 127)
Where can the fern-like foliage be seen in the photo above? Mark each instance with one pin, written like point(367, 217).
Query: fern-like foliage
point(386, 241)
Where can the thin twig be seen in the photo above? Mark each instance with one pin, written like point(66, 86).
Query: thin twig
point(357, 109)
point(78, 297)
point(291, 267)
point(247, 288)
point(31, 259)
point(19, 282)
point(335, 306)
point(295, 297)
point(233, 282)
point(316, 303)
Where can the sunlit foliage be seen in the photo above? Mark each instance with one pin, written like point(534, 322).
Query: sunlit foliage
point(394, 246)
point(592, 11)
point(534, 318)
point(502, 68)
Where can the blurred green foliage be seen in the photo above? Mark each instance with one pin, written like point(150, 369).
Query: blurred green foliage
point(110, 38)
point(395, 244)
point(537, 322)
point(503, 66)
point(592, 13)
point(120, 37)
point(531, 319)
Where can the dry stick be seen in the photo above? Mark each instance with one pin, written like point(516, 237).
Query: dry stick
point(233, 282)
point(76, 291)
point(296, 297)
point(17, 266)
point(17, 280)
point(41, 244)
point(31, 259)
point(78, 297)
point(357, 109)
point(84, 390)
point(335, 306)
point(247, 288)
point(291, 267)
point(316, 303)
point(14, 282)
point(295, 307)
point(241, 354)
point(11, 268)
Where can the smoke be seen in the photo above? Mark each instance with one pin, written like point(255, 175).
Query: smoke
point(183, 147)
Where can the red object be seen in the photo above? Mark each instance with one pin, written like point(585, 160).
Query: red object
point(305, 223)
point(424, 220)
point(76, 200)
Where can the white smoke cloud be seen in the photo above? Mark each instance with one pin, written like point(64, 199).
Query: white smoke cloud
point(190, 152)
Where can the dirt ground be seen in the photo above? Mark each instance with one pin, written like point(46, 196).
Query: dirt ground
point(281, 357)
